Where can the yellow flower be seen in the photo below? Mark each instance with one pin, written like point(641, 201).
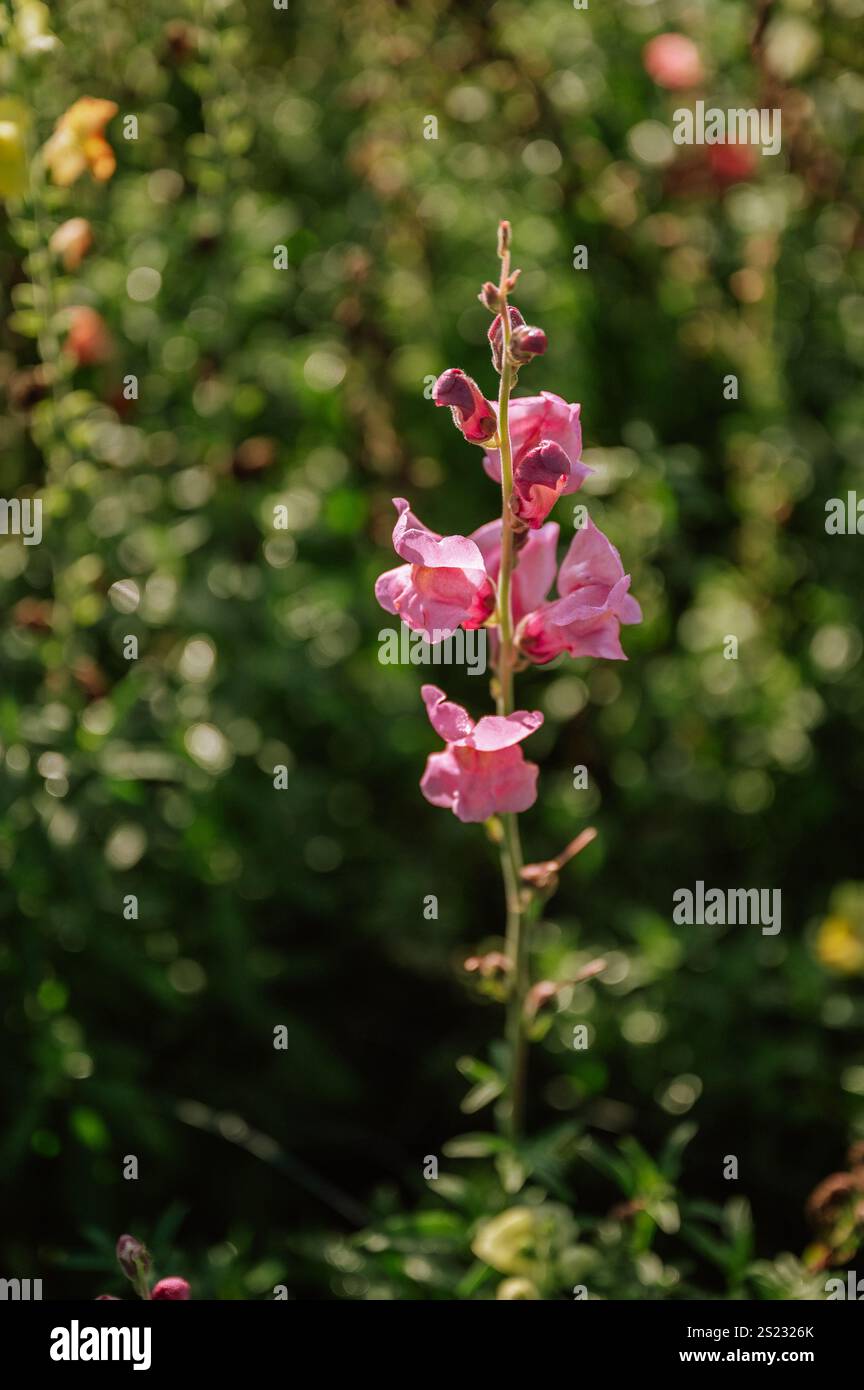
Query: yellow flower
point(79, 143)
point(14, 120)
point(840, 945)
point(507, 1241)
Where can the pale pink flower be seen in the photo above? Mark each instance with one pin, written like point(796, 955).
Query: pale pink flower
point(482, 771)
point(594, 602)
point(443, 585)
point(673, 61)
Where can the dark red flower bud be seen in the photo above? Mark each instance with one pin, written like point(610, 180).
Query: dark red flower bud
point(495, 335)
point(172, 1288)
point(527, 342)
point(472, 413)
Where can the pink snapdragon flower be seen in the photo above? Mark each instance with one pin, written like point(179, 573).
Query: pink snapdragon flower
point(594, 602)
point(536, 564)
point(482, 771)
point(472, 413)
point(443, 585)
point(535, 419)
point(673, 61)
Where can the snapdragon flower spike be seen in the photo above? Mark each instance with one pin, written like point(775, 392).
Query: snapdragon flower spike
point(482, 771)
point(594, 602)
point(173, 1288)
point(444, 584)
point(472, 413)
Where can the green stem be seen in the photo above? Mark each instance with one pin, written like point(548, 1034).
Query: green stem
point(511, 848)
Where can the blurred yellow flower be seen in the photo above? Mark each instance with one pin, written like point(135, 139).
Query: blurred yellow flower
point(14, 120)
point(79, 143)
point(840, 945)
point(507, 1241)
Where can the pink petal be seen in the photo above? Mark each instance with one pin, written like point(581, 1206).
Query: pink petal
point(448, 719)
point(591, 559)
point(415, 543)
point(496, 731)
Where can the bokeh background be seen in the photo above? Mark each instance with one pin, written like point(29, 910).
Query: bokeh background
point(307, 387)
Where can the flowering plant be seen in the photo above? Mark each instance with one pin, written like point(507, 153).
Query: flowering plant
point(499, 578)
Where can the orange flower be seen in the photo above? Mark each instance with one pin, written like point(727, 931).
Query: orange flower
point(79, 143)
point(89, 340)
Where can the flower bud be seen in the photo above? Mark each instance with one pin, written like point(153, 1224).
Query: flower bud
point(503, 239)
point(526, 342)
point(133, 1258)
point(472, 413)
point(490, 297)
point(496, 336)
point(172, 1288)
point(106, 1298)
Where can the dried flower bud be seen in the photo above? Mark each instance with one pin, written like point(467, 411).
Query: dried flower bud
point(527, 342)
point(503, 239)
point(133, 1258)
point(490, 297)
point(172, 1288)
point(472, 413)
point(495, 336)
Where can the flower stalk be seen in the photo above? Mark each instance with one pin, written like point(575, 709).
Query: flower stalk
point(511, 847)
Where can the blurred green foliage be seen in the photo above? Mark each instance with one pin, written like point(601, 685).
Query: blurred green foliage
point(305, 387)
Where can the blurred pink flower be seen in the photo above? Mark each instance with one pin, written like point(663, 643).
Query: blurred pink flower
point(673, 61)
point(472, 413)
point(482, 772)
point(443, 585)
point(171, 1288)
point(594, 602)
